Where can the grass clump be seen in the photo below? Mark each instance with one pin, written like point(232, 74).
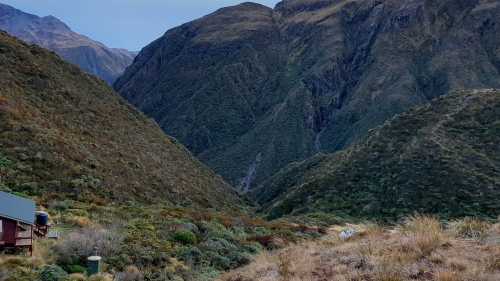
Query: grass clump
point(470, 228)
point(423, 235)
point(417, 249)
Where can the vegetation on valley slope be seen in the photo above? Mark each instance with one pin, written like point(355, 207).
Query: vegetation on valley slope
point(442, 158)
point(65, 134)
point(250, 89)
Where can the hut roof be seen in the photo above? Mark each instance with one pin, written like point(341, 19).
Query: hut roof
point(17, 208)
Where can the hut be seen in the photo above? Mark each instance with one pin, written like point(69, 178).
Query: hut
point(19, 222)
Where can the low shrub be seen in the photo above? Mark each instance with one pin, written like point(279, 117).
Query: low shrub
point(60, 205)
point(5, 162)
point(190, 255)
point(131, 273)
point(239, 259)
point(78, 245)
point(75, 268)
point(215, 230)
point(185, 237)
point(218, 261)
point(53, 273)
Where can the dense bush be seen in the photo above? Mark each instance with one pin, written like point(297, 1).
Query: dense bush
point(164, 244)
point(77, 277)
point(75, 268)
point(131, 273)
point(60, 205)
point(53, 273)
point(190, 255)
point(185, 237)
point(78, 245)
point(4, 162)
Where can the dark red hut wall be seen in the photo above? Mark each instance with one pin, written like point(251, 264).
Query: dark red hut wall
point(9, 228)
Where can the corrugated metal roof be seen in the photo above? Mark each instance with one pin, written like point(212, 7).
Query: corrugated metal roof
point(17, 208)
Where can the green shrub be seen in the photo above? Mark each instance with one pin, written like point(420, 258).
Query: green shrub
point(53, 273)
point(86, 181)
point(218, 245)
point(216, 230)
point(185, 237)
point(190, 255)
point(5, 162)
point(252, 248)
point(217, 261)
point(76, 246)
point(60, 205)
point(75, 268)
point(238, 259)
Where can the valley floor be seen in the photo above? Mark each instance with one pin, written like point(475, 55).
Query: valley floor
point(420, 249)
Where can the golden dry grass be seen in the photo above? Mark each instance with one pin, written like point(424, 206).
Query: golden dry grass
point(420, 249)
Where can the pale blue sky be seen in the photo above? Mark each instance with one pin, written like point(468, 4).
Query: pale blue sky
point(130, 24)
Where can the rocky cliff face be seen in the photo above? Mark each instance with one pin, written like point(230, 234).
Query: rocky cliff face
point(49, 32)
point(66, 134)
point(441, 158)
point(250, 89)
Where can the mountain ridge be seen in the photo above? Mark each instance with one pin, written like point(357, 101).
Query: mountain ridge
point(440, 158)
point(66, 134)
point(275, 86)
point(51, 33)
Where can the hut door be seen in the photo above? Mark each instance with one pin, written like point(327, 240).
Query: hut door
point(9, 231)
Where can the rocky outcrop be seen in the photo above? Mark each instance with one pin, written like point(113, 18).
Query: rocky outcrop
point(308, 76)
point(49, 32)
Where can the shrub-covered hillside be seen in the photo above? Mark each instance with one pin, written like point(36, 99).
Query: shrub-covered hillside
point(441, 158)
point(147, 242)
point(66, 134)
point(250, 89)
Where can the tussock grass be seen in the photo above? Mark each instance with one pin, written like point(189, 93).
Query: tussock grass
point(421, 248)
point(470, 228)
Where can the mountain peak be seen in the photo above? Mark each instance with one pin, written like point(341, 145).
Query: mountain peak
point(51, 33)
point(249, 89)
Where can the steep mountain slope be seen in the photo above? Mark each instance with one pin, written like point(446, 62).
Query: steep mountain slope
point(49, 32)
point(250, 89)
point(66, 134)
point(440, 158)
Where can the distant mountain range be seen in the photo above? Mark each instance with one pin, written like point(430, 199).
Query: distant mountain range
point(357, 108)
point(66, 134)
point(51, 33)
point(250, 89)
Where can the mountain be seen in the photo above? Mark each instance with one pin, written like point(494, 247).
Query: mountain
point(250, 89)
point(441, 158)
point(49, 32)
point(66, 134)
